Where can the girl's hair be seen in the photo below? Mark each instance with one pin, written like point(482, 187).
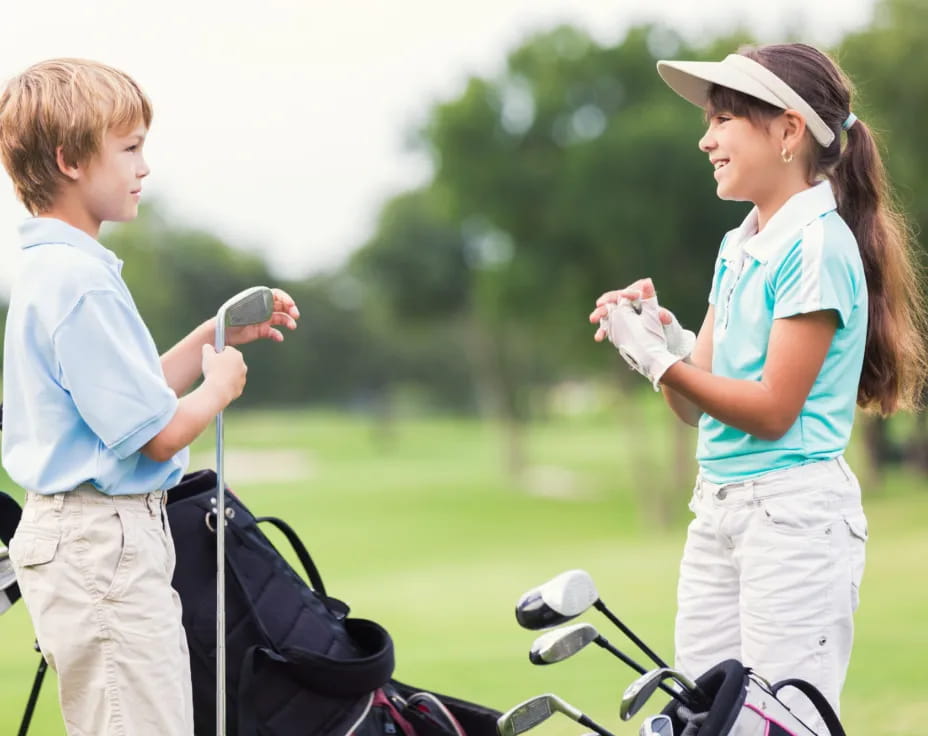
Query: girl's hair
point(895, 360)
point(62, 102)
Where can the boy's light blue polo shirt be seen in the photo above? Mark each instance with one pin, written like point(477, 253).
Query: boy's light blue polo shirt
point(805, 260)
point(82, 380)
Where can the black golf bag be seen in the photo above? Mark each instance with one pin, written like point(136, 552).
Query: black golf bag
point(744, 704)
point(297, 664)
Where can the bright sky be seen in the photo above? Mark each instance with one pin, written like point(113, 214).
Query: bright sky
point(281, 125)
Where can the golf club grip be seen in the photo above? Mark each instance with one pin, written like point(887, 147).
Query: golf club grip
point(604, 643)
point(601, 607)
point(593, 726)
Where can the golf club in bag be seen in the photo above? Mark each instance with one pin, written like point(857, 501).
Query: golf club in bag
point(744, 704)
point(727, 700)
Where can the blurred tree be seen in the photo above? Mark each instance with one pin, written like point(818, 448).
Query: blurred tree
point(180, 277)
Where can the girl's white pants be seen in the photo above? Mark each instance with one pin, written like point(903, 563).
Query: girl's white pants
point(770, 576)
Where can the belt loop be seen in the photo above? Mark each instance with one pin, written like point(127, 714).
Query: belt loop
point(59, 501)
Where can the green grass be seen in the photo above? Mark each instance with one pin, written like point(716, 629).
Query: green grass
point(424, 532)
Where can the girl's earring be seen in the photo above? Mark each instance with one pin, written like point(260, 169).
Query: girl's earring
point(787, 156)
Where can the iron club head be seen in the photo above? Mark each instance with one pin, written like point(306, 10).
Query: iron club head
point(249, 307)
point(638, 693)
point(534, 711)
point(659, 725)
point(530, 713)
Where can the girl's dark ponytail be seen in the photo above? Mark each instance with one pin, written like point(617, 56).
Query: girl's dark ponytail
point(895, 362)
point(896, 359)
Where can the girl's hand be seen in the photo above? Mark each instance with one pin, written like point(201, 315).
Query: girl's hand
point(640, 289)
point(285, 314)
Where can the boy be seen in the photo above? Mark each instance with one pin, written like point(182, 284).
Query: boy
point(97, 425)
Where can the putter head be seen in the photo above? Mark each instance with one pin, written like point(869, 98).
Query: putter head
point(559, 644)
point(248, 307)
point(640, 691)
point(659, 725)
point(528, 714)
point(557, 601)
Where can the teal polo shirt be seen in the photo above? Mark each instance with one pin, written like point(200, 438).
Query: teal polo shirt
point(805, 260)
point(83, 387)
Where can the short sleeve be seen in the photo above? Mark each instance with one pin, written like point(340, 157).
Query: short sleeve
point(109, 365)
point(814, 275)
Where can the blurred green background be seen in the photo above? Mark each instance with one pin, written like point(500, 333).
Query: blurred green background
point(444, 433)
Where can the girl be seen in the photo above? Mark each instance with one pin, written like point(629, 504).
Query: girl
point(814, 307)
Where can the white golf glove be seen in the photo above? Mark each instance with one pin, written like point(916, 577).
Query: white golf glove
point(680, 342)
point(636, 331)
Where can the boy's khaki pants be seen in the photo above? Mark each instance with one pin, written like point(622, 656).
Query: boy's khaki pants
point(95, 573)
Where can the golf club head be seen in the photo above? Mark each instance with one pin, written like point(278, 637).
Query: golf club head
point(659, 725)
point(640, 691)
point(559, 644)
point(527, 715)
point(557, 601)
point(248, 307)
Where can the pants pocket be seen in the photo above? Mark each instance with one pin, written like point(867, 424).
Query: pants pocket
point(803, 513)
point(857, 528)
point(30, 549)
point(106, 551)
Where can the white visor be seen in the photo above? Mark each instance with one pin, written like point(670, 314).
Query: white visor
point(692, 80)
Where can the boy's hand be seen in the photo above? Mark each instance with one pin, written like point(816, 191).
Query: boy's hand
point(225, 372)
point(285, 314)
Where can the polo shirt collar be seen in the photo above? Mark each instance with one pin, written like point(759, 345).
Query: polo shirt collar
point(43, 230)
point(798, 211)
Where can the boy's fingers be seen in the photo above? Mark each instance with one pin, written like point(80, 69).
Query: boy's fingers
point(283, 302)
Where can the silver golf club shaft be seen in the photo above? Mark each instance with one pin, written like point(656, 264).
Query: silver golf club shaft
point(220, 556)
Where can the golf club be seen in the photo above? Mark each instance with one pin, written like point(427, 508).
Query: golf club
point(659, 725)
point(559, 644)
point(564, 597)
point(534, 711)
point(638, 693)
point(249, 307)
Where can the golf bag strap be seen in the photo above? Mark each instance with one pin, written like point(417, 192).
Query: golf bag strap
point(818, 700)
point(315, 579)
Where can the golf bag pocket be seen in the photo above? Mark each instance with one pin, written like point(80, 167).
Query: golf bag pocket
point(296, 663)
point(740, 703)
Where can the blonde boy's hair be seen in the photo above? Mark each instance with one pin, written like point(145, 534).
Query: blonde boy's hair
point(70, 103)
